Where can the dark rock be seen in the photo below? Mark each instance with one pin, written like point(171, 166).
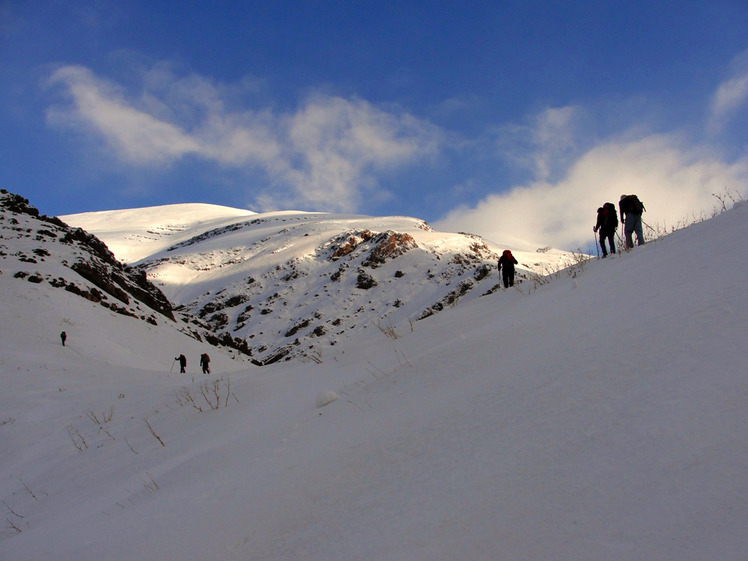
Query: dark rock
point(365, 281)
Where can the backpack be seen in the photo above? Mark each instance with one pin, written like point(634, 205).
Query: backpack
point(611, 216)
point(632, 204)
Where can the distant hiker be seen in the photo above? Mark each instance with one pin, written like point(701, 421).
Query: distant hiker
point(607, 224)
point(507, 261)
point(205, 363)
point(182, 363)
point(63, 338)
point(631, 209)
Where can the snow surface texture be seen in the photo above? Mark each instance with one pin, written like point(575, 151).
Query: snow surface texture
point(292, 284)
point(597, 417)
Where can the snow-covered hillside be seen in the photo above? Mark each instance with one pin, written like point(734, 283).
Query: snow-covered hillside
point(602, 415)
point(292, 283)
point(46, 251)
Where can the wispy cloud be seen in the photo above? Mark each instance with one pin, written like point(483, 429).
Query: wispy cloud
point(545, 144)
point(555, 139)
point(134, 134)
point(730, 96)
point(342, 142)
point(324, 155)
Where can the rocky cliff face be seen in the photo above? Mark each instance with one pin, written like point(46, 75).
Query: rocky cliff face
point(41, 249)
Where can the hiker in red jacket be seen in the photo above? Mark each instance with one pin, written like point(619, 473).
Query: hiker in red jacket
point(507, 261)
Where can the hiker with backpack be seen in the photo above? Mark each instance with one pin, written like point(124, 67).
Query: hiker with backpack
point(507, 261)
point(182, 363)
point(607, 224)
point(205, 363)
point(631, 209)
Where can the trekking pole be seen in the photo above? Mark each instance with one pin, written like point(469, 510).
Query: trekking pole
point(172, 366)
point(648, 226)
point(594, 242)
point(655, 234)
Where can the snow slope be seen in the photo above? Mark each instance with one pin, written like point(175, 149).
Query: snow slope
point(599, 416)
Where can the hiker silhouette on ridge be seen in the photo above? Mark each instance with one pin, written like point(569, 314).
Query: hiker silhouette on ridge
point(507, 261)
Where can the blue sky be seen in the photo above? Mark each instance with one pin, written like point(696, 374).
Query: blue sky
point(514, 120)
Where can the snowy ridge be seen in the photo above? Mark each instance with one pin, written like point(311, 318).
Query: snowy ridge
point(600, 416)
point(285, 284)
point(134, 234)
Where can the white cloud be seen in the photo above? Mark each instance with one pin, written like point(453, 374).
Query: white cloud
point(325, 155)
point(545, 145)
point(675, 182)
point(554, 137)
point(340, 142)
point(170, 119)
point(135, 135)
point(731, 95)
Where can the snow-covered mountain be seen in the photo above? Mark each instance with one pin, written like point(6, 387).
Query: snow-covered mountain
point(599, 414)
point(285, 284)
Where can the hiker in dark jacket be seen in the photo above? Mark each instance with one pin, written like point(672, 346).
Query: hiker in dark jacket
point(507, 261)
point(631, 209)
point(63, 338)
point(182, 363)
point(607, 223)
point(205, 363)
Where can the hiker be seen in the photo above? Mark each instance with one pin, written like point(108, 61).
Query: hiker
point(607, 224)
point(182, 363)
point(205, 363)
point(63, 338)
point(507, 261)
point(631, 209)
